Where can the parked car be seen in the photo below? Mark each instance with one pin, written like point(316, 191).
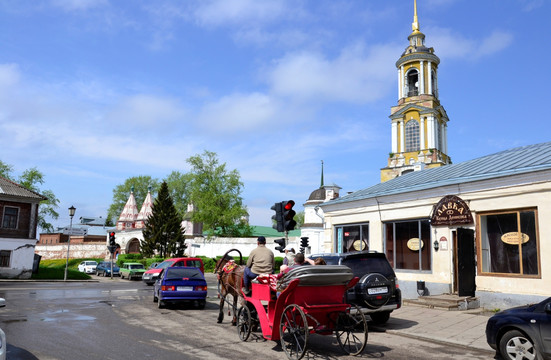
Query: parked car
point(153, 265)
point(522, 332)
point(180, 284)
point(132, 270)
point(151, 275)
point(88, 266)
point(377, 293)
point(104, 269)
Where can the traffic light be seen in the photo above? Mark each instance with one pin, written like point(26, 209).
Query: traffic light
point(278, 217)
point(303, 244)
point(112, 238)
point(281, 243)
point(288, 214)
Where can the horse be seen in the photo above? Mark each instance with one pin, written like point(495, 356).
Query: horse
point(229, 282)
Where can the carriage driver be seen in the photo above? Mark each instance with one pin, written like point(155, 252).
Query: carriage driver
point(261, 261)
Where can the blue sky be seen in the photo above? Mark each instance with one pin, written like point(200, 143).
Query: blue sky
point(93, 92)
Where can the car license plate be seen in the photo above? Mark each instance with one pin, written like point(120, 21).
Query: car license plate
point(184, 288)
point(378, 290)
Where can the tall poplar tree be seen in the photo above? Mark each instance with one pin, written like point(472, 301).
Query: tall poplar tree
point(163, 231)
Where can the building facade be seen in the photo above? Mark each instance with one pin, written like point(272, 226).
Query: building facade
point(476, 229)
point(19, 221)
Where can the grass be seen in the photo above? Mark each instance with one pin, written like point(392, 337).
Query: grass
point(55, 270)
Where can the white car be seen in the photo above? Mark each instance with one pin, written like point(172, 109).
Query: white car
point(3, 343)
point(88, 266)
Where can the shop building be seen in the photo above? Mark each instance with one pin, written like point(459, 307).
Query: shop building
point(478, 228)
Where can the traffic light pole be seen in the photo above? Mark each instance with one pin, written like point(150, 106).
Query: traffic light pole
point(112, 266)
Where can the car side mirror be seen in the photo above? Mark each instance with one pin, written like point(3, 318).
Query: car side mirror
point(547, 308)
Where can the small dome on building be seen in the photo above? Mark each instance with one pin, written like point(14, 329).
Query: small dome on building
point(318, 194)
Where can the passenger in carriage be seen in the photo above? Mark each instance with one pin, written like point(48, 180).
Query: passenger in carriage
point(299, 261)
point(261, 261)
point(289, 259)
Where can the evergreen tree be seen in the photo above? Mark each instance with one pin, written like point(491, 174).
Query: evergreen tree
point(163, 231)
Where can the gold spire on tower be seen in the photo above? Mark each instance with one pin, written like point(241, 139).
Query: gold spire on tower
point(415, 23)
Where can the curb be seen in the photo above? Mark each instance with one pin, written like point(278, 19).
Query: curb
point(441, 341)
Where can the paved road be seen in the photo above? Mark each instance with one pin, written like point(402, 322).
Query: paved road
point(117, 319)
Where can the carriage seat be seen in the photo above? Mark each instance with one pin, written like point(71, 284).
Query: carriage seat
point(318, 275)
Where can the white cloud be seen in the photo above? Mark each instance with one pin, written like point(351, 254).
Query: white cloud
point(222, 12)
point(9, 76)
point(357, 75)
point(238, 112)
point(529, 5)
point(449, 44)
point(79, 5)
point(147, 111)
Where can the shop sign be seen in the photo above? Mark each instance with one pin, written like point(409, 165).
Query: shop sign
point(413, 244)
point(451, 210)
point(515, 238)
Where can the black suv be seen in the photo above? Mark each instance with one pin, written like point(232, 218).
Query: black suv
point(377, 292)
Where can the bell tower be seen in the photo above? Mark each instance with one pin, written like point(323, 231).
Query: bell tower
point(418, 122)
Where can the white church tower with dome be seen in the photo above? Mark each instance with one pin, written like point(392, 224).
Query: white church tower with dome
point(313, 227)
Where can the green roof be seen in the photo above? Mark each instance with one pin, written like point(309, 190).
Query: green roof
point(268, 231)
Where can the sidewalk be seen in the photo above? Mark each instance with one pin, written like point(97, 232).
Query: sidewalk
point(460, 328)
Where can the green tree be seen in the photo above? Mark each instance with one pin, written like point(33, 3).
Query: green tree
point(163, 231)
point(140, 184)
point(299, 218)
point(32, 179)
point(216, 197)
point(178, 185)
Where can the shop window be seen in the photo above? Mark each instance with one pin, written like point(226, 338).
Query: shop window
point(5, 256)
point(352, 238)
point(9, 220)
point(509, 243)
point(408, 244)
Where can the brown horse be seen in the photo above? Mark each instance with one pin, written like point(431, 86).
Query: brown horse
point(229, 283)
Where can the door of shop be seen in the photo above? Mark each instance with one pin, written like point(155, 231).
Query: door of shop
point(465, 262)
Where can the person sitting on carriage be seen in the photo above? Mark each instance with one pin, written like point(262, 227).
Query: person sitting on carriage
point(290, 254)
point(261, 261)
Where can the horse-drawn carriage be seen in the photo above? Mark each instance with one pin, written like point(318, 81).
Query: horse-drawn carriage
point(307, 300)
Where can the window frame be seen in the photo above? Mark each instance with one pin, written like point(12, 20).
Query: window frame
point(394, 252)
point(412, 135)
point(341, 249)
point(5, 256)
point(10, 216)
point(517, 211)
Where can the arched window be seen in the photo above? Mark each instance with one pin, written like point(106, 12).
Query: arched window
point(434, 83)
point(412, 135)
point(412, 81)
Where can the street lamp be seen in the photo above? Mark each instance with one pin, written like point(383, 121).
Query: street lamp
point(72, 210)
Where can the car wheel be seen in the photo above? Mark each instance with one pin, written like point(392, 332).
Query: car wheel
point(160, 304)
point(373, 292)
point(202, 304)
point(155, 299)
point(122, 276)
point(515, 345)
point(97, 273)
point(380, 317)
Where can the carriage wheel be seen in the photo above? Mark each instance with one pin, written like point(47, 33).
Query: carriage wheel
point(244, 323)
point(293, 330)
point(351, 332)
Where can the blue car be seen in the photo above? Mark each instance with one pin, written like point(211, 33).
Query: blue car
point(104, 269)
point(180, 284)
point(522, 332)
